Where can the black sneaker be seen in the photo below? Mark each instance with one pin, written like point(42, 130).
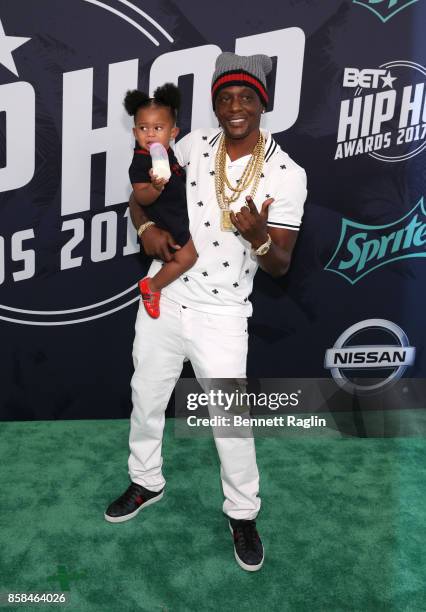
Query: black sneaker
point(130, 503)
point(248, 547)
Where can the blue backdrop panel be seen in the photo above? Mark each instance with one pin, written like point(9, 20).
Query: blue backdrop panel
point(347, 103)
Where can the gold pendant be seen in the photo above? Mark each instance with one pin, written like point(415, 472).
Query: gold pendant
point(225, 221)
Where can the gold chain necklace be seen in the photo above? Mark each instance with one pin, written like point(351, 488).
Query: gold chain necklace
point(250, 175)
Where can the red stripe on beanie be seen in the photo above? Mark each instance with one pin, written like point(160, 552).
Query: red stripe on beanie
point(240, 76)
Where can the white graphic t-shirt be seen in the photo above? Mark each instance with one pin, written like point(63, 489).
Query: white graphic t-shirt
point(221, 280)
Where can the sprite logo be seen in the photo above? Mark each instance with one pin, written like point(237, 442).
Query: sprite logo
point(364, 248)
point(385, 9)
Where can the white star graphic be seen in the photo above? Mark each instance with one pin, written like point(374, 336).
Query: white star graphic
point(388, 80)
point(7, 45)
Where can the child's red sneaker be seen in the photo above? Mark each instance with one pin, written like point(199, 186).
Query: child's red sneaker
point(151, 299)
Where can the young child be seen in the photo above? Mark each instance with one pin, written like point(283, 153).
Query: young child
point(155, 121)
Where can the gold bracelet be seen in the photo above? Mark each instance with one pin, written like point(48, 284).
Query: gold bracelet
point(143, 227)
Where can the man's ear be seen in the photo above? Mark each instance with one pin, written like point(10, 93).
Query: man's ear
point(175, 133)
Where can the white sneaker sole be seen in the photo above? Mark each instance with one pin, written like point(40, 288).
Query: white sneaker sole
point(244, 566)
point(127, 517)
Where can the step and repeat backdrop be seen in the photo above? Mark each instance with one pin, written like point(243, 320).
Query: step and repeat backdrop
point(348, 104)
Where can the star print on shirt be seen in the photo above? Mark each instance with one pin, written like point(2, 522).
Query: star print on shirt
point(193, 183)
point(204, 137)
point(215, 291)
point(283, 167)
point(226, 264)
point(235, 285)
point(205, 154)
point(207, 223)
point(215, 243)
point(186, 279)
point(205, 273)
point(211, 172)
point(200, 203)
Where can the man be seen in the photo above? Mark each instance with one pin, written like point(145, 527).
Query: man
point(204, 313)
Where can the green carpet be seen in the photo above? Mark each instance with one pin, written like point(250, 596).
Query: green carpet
point(343, 524)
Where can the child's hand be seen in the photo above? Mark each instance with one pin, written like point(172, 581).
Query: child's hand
point(157, 183)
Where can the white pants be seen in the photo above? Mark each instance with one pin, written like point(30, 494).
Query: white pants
point(217, 348)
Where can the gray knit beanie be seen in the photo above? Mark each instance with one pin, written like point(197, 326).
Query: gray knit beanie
point(247, 70)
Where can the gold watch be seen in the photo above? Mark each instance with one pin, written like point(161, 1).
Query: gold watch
point(264, 248)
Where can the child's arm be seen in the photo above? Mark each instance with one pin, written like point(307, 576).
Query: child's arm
point(147, 193)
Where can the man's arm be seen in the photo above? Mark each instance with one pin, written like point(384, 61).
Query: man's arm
point(155, 241)
point(137, 213)
point(252, 225)
point(276, 261)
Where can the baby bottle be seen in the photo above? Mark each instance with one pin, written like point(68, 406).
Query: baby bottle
point(160, 161)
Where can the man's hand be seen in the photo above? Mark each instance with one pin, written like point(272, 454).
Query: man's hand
point(252, 224)
point(157, 243)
